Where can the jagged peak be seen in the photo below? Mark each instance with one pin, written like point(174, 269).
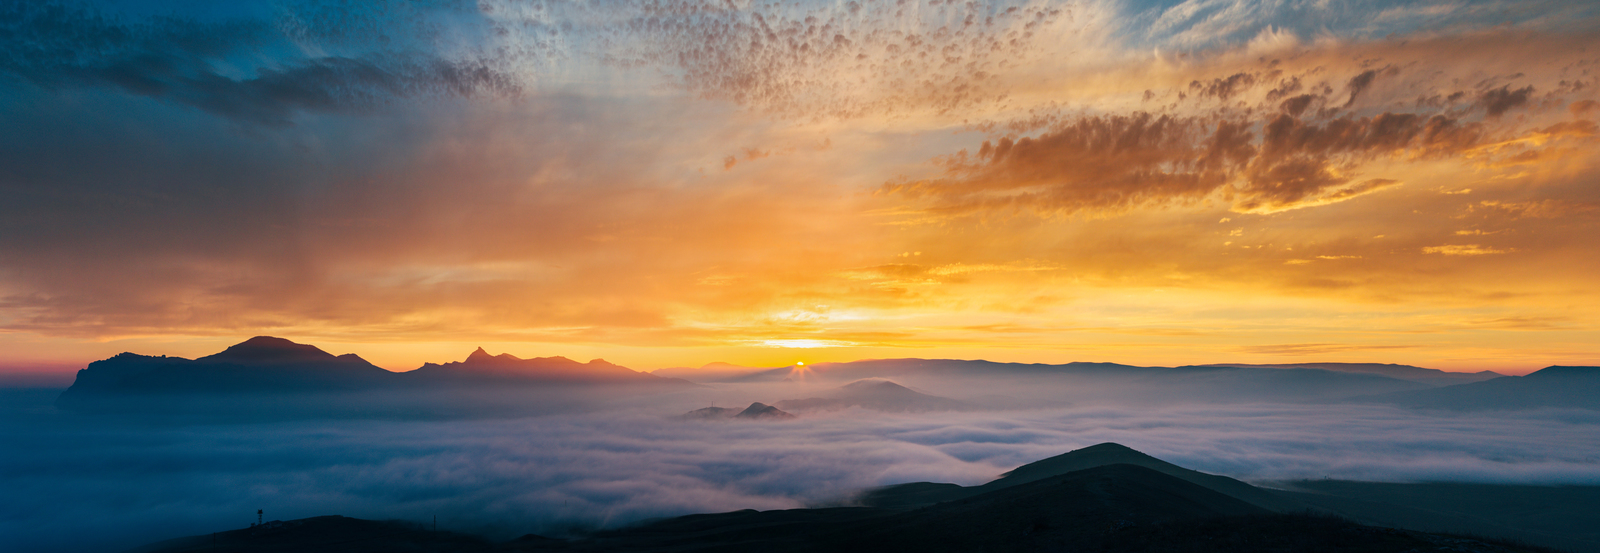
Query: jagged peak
point(478, 356)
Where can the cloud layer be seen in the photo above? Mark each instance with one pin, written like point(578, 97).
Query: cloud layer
point(137, 482)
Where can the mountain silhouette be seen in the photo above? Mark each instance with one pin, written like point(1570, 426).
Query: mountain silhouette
point(719, 372)
point(274, 378)
point(1105, 454)
point(1433, 377)
point(756, 411)
point(875, 394)
point(762, 411)
point(259, 365)
point(482, 368)
point(1556, 386)
point(268, 350)
point(1098, 382)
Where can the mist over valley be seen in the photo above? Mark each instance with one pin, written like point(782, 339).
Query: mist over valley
point(147, 448)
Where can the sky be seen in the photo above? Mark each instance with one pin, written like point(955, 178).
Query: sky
point(670, 183)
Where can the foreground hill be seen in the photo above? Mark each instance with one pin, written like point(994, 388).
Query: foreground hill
point(267, 377)
point(926, 493)
point(1113, 507)
point(325, 534)
point(1555, 516)
point(1556, 386)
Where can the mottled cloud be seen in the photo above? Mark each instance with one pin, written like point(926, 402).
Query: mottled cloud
point(1114, 163)
point(1285, 135)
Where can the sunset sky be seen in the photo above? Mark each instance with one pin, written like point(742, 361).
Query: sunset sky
point(670, 183)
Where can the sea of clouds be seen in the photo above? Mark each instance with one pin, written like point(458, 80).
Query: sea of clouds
point(73, 482)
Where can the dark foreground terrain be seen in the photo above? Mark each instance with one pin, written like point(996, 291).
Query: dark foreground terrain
point(1105, 498)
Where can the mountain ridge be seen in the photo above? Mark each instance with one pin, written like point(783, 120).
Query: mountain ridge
point(268, 377)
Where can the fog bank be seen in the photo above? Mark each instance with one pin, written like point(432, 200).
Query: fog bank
point(77, 482)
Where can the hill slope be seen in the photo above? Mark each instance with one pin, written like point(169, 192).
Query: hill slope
point(1105, 454)
point(1113, 508)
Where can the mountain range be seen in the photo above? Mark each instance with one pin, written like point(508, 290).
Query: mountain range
point(267, 376)
point(1558, 386)
point(276, 378)
point(1104, 498)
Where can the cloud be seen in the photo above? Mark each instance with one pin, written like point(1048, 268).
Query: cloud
point(1497, 102)
point(202, 65)
point(137, 482)
point(1360, 82)
point(1116, 163)
point(1110, 162)
point(1462, 249)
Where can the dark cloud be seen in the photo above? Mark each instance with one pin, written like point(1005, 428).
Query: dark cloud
point(1298, 104)
point(1358, 84)
point(218, 67)
point(1109, 162)
point(1119, 162)
point(1223, 89)
point(1497, 101)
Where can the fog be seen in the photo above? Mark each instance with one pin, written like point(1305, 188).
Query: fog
point(76, 482)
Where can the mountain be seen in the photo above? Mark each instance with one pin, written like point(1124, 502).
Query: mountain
point(1557, 386)
point(273, 378)
point(1111, 508)
point(1555, 516)
point(1433, 377)
point(711, 413)
point(878, 395)
point(756, 411)
point(922, 493)
point(324, 534)
point(482, 368)
point(715, 373)
point(1038, 384)
point(762, 411)
point(259, 365)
